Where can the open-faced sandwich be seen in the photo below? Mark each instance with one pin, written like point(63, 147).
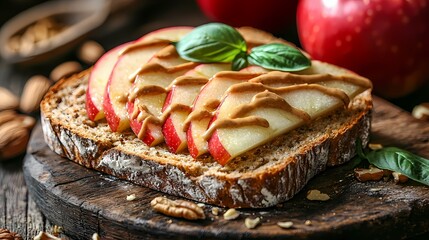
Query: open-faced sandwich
point(230, 117)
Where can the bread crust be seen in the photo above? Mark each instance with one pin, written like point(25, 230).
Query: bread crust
point(274, 173)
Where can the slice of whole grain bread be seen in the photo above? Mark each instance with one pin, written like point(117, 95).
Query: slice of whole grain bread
point(262, 177)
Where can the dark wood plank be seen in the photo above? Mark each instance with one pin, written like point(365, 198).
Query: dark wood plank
point(83, 201)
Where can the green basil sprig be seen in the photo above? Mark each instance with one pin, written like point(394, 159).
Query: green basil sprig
point(217, 42)
point(399, 160)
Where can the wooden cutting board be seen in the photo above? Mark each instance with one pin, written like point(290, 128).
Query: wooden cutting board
point(84, 201)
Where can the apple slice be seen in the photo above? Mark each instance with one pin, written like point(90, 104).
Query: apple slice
point(250, 115)
point(254, 69)
point(206, 102)
point(179, 101)
point(123, 74)
point(346, 81)
point(149, 92)
point(97, 82)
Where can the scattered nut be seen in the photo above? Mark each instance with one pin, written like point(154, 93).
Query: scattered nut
point(375, 146)
point(13, 139)
point(8, 235)
point(252, 223)
point(45, 236)
point(65, 69)
point(231, 214)
point(399, 177)
point(286, 225)
point(178, 208)
point(215, 211)
point(308, 222)
point(8, 100)
point(371, 174)
point(33, 92)
point(95, 236)
point(421, 111)
point(90, 52)
point(316, 195)
point(131, 197)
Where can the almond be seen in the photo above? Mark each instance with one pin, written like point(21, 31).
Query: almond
point(90, 52)
point(6, 116)
point(8, 100)
point(65, 69)
point(13, 139)
point(33, 92)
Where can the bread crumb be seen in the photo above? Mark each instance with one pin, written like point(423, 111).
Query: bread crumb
point(201, 205)
point(231, 214)
point(316, 195)
point(308, 222)
point(131, 197)
point(285, 225)
point(375, 146)
point(251, 223)
point(215, 211)
point(95, 236)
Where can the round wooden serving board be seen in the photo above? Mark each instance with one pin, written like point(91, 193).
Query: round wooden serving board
point(84, 201)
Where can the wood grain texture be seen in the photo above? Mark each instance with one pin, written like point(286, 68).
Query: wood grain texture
point(84, 201)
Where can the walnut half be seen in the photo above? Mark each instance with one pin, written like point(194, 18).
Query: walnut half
point(178, 208)
point(371, 174)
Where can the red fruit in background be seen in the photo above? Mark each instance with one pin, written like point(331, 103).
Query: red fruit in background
point(384, 40)
point(270, 15)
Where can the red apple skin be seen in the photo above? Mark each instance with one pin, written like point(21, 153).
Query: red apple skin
point(136, 126)
point(269, 15)
point(217, 150)
point(168, 130)
point(384, 40)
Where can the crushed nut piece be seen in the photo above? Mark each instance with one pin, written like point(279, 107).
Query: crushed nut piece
point(371, 174)
point(178, 208)
point(375, 146)
point(252, 223)
point(286, 225)
point(421, 111)
point(231, 214)
point(215, 211)
point(399, 177)
point(316, 195)
point(45, 236)
point(201, 205)
point(95, 236)
point(308, 222)
point(56, 230)
point(131, 197)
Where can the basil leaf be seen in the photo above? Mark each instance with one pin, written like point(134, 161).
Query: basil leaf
point(213, 42)
point(239, 62)
point(277, 56)
point(399, 160)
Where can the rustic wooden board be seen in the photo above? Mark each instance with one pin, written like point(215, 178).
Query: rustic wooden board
point(84, 201)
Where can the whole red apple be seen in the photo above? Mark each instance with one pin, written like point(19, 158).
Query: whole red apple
point(269, 15)
point(384, 40)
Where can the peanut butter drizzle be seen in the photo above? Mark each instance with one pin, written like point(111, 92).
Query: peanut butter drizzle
point(142, 114)
point(290, 78)
point(143, 44)
point(146, 90)
point(237, 118)
point(197, 116)
point(212, 104)
point(236, 75)
point(188, 80)
point(173, 108)
point(167, 52)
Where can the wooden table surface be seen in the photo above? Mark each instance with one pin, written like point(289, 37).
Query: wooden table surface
point(18, 212)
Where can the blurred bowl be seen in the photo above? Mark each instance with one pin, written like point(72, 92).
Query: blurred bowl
point(77, 17)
